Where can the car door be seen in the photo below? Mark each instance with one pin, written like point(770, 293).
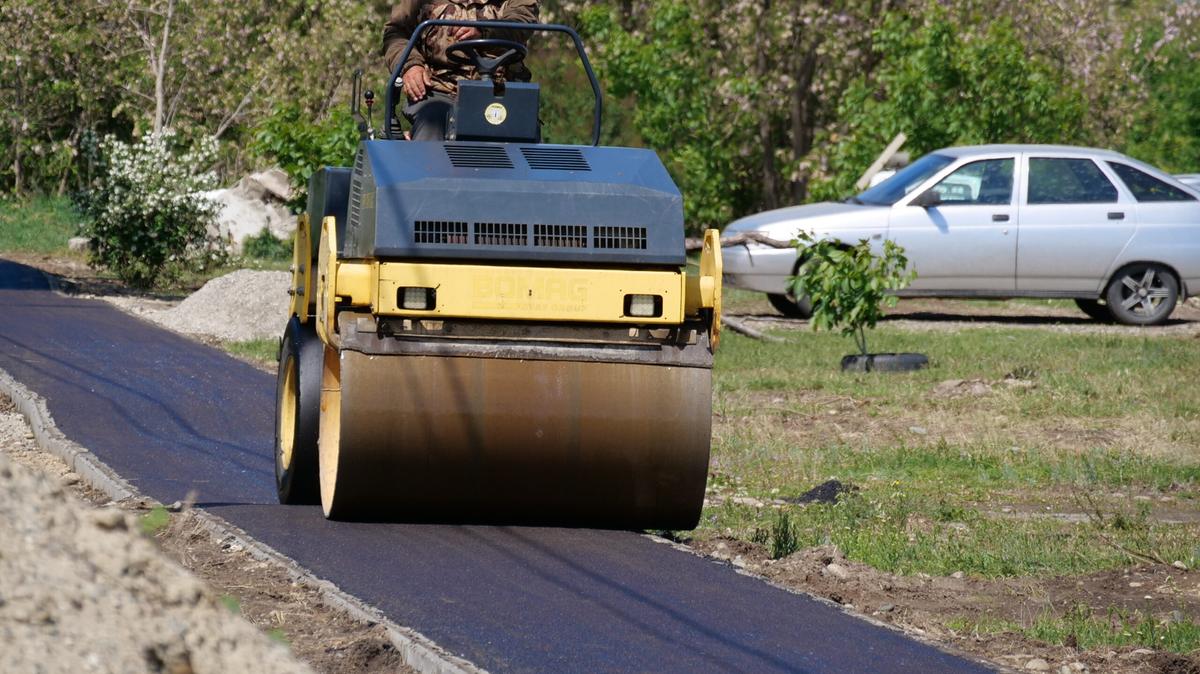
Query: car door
point(1074, 223)
point(965, 243)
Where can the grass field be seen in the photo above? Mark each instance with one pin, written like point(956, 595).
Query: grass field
point(1031, 459)
point(41, 225)
point(1099, 426)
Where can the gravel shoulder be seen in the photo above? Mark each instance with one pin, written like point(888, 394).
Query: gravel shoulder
point(129, 563)
point(82, 591)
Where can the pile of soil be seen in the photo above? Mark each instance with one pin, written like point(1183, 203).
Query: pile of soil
point(81, 590)
point(237, 307)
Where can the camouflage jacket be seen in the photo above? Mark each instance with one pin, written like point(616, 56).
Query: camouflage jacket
point(431, 53)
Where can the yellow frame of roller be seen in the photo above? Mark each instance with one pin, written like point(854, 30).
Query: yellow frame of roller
point(499, 291)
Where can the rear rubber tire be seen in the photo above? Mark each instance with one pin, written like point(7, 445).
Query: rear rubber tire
point(885, 362)
point(1095, 310)
point(1142, 294)
point(791, 307)
point(297, 415)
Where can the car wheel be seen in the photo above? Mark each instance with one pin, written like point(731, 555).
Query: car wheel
point(1095, 309)
point(791, 307)
point(1142, 294)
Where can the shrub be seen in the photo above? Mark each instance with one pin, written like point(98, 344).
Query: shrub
point(300, 145)
point(266, 246)
point(849, 286)
point(145, 209)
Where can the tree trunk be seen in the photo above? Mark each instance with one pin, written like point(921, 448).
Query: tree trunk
point(766, 131)
point(803, 116)
point(18, 186)
point(158, 65)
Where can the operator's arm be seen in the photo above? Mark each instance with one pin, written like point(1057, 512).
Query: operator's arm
point(521, 11)
point(397, 32)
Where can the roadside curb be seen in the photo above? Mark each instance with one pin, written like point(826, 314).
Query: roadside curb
point(416, 650)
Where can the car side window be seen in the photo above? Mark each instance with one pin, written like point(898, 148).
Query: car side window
point(989, 181)
point(1068, 181)
point(1146, 187)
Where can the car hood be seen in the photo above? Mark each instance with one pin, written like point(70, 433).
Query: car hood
point(784, 223)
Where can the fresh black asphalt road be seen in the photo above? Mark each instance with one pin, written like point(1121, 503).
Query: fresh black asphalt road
point(172, 416)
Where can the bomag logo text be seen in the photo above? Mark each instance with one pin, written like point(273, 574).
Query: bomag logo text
point(530, 292)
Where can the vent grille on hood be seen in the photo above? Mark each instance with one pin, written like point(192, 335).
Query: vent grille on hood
point(555, 159)
point(560, 236)
point(500, 234)
point(440, 232)
point(621, 238)
point(478, 156)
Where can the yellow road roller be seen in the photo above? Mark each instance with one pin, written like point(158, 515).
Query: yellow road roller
point(493, 329)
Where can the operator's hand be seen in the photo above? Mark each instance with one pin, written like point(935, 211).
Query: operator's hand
point(416, 82)
point(466, 33)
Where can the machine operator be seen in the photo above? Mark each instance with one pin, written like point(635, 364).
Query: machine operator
point(430, 77)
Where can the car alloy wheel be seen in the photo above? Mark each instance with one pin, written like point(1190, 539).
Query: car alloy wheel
point(1142, 294)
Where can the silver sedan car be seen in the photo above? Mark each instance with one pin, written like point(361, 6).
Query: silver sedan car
point(1119, 237)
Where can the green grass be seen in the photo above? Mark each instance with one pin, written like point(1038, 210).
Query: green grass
point(39, 225)
point(896, 531)
point(1116, 628)
point(155, 521)
point(1078, 375)
point(264, 351)
point(1086, 629)
point(230, 603)
point(1107, 413)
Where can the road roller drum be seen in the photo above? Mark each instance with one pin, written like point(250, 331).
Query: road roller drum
point(489, 439)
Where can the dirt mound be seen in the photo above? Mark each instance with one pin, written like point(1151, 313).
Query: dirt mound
point(237, 307)
point(82, 590)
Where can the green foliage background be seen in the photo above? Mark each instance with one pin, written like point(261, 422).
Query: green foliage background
point(752, 104)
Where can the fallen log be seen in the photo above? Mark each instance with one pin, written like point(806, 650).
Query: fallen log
point(743, 329)
point(740, 239)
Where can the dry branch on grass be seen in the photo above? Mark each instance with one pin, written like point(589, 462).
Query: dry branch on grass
point(693, 244)
point(743, 329)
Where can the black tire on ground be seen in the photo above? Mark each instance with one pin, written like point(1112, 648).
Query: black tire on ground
point(885, 362)
point(297, 415)
point(1142, 294)
point(791, 307)
point(1095, 309)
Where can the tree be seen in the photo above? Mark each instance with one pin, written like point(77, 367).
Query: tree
point(942, 86)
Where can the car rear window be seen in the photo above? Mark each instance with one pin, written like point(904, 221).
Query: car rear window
point(1068, 181)
point(1146, 187)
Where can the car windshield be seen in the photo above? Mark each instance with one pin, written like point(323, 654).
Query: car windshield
point(906, 180)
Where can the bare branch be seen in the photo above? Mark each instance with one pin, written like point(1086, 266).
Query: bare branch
point(234, 116)
point(743, 329)
point(740, 239)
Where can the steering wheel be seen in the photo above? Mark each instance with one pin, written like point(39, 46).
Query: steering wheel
point(470, 52)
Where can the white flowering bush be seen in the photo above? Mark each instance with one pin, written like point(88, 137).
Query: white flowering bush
point(146, 209)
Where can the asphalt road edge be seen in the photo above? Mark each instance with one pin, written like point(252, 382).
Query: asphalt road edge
point(919, 637)
point(416, 650)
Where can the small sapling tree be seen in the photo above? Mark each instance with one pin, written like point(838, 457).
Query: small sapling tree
point(849, 286)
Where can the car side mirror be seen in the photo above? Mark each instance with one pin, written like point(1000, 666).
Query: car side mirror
point(928, 199)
